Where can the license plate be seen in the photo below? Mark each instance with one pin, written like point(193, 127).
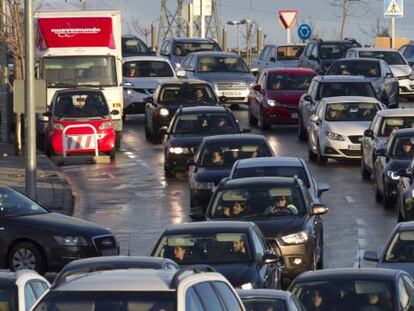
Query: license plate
point(231, 93)
point(354, 147)
point(294, 115)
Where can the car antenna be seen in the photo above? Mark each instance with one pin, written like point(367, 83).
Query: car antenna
point(359, 256)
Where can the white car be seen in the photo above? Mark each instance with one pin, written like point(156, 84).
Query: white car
point(20, 290)
point(398, 64)
point(337, 127)
point(141, 75)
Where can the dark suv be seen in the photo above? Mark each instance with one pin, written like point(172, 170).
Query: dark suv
point(319, 54)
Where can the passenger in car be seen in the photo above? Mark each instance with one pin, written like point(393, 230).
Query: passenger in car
point(237, 210)
point(180, 254)
point(282, 204)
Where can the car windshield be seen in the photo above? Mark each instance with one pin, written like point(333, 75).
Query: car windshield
point(108, 300)
point(222, 64)
point(394, 123)
point(265, 304)
point(287, 82)
point(402, 148)
point(13, 203)
point(146, 69)
point(287, 52)
point(329, 295)
point(8, 296)
point(205, 124)
point(369, 69)
point(331, 89)
point(401, 248)
point(80, 105)
point(187, 94)
point(221, 247)
point(280, 171)
point(351, 111)
point(333, 50)
point(226, 153)
point(132, 46)
point(268, 201)
point(390, 57)
point(185, 48)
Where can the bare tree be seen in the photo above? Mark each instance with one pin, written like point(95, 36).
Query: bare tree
point(380, 29)
point(143, 31)
point(348, 8)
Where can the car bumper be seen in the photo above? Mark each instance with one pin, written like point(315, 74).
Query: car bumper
point(340, 149)
point(199, 201)
point(406, 87)
point(281, 115)
point(234, 96)
point(177, 163)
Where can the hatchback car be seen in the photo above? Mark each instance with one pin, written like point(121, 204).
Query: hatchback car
point(399, 66)
point(329, 86)
point(177, 48)
point(168, 97)
point(187, 129)
point(376, 71)
point(268, 299)
point(227, 72)
point(20, 290)
point(354, 289)
point(141, 75)
point(398, 252)
point(33, 238)
point(284, 210)
point(377, 134)
point(274, 98)
point(83, 118)
point(337, 127)
point(275, 56)
point(238, 250)
point(397, 154)
point(214, 161)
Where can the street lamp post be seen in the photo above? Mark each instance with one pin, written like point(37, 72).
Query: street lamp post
point(232, 23)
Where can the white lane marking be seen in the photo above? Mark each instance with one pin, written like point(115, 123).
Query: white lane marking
point(132, 156)
point(349, 199)
point(128, 152)
point(362, 232)
point(362, 242)
point(360, 222)
point(97, 179)
point(142, 162)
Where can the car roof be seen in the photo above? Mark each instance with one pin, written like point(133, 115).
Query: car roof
point(406, 226)
point(190, 39)
point(181, 81)
point(349, 99)
point(278, 45)
point(125, 280)
point(348, 274)
point(399, 112)
point(198, 109)
point(78, 90)
point(215, 53)
point(263, 293)
point(234, 138)
point(209, 226)
point(404, 132)
point(260, 181)
point(269, 161)
point(360, 59)
point(144, 58)
point(291, 70)
point(374, 49)
point(338, 78)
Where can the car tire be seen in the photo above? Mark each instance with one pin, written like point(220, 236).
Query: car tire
point(378, 194)
point(301, 129)
point(252, 120)
point(320, 264)
point(320, 159)
point(49, 150)
point(365, 174)
point(387, 202)
point(400, 217)
point(26, 255)
point(118, 138)
point(112, 154)
point(311, 155)
point(148, 135)
point(262, 123)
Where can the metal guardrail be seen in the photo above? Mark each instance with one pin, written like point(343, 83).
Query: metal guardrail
point(95, 136)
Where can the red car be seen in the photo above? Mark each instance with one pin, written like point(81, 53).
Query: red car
point(274, 98)
point(86, 111)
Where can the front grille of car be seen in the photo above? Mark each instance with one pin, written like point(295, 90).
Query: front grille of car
point(231, 86)
point(356, 139)
point(351, 153)
point(290, 108)
point(106, 245)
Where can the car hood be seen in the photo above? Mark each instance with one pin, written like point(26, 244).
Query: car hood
point(65, 224)
point(395, 164)
point(212, 174)
point(226, 76)
point(404, 266)
point(400, 70)
point(286, 97)
point(145, 83)
point(237, 274)
point(185, 141)
point(347, 128)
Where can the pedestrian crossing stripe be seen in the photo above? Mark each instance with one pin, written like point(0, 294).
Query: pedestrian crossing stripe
point(393, 8)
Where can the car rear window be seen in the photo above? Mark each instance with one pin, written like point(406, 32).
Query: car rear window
point(289, 52)
point(205, 124)
point(146, 69)
point(222, 64)
point(351, 111)
point(187, 94)
point(80, 105)
point(185, 48)
point(331, 89)
point(389, 124)
point(369, 69)
point(390, 57)
point(401, 248)
point(334, 50)
point(265, 304)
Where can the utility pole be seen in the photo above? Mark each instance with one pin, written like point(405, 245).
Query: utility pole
point(4, 83)
point(30, 120)
point(202, 21)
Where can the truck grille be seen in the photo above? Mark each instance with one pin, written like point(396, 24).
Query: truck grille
point(231, 86)
point(106, 245)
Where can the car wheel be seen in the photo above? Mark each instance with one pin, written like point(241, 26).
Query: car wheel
point(112, 154)
point(311, 154)
point(26, 255)
point(262, 122)
point(320, 264)
point(148, 135)
point(400, 217)
point(301, 129)
point(365, 174)
point(320, 159)
point(118, 138)
point(252, 120)
point(378, 194)
point(49, 150)
point(387, 202)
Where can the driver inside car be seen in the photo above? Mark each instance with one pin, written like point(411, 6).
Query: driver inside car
point(282, 204)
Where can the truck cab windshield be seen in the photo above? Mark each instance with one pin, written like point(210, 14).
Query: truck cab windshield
point(69, 71)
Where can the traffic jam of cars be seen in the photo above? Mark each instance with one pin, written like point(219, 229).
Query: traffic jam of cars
point(256, 236)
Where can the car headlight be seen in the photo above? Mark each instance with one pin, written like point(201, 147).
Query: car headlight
point(105, 125)
point(247, 286)
point(335, 136)
point(71, 240)
point(58, 126)
point(392, 175)
point(272, 103)
point(179, 150)
point(202, 185)
point(296, 238)
point(129, 92)
point(164, 112)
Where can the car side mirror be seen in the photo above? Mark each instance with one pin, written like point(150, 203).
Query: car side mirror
point(371, 256)
point(315, 119)
point(319, 209)
point(322, 188)
point(368, 133)
point(257, 88)
point(269, 258)
point(180, 72)
point(272, 59)
point(246, 130)
point(149, 100)
point(115, 112)
point(222, 99)
point(308, 98)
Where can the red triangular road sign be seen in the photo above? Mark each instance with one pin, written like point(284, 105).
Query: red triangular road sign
point(288, 18)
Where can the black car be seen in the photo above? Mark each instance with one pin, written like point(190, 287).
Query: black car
point(284, 210)
point(238, 250)
point(170, 95)
point(405, 193)
point(214, 161)
point(354, 289)
point(133, 46)
point(33, 238)
point(319, 54)
point(395, 155)
point(269, 299)
point(187, 129)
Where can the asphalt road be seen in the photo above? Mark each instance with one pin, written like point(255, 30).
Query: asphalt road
point(133, 198)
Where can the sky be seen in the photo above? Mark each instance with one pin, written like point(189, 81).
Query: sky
point(320, 13)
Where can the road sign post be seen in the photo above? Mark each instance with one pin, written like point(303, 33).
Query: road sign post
point(288, 20)
point(393, 9)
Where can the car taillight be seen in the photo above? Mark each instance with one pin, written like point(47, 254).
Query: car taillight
point(105, 125)
point(58, 126)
